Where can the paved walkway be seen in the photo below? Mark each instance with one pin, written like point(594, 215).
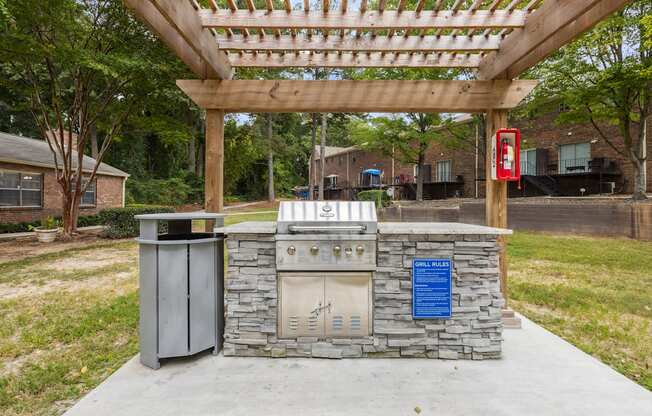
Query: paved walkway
point(540, 374)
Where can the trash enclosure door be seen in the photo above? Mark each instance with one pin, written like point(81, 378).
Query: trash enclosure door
point(173, 293)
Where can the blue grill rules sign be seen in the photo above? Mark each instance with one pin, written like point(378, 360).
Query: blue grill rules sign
point(431, 288)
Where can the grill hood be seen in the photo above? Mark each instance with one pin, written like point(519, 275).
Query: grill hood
point(357, 217)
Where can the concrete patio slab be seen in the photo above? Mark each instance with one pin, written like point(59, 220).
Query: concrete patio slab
point(540, 374)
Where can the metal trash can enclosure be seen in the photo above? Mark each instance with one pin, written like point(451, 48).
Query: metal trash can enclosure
point(181, 287)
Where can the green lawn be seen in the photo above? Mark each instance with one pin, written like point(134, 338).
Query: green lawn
point(594, 292)
point(69, 319)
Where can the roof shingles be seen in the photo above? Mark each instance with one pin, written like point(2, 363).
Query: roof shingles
point(35, 152)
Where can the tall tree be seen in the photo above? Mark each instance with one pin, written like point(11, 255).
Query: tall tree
point(605, 78)
point(271, 197)
point(420, 128)
point(404, 138)
point(80, 63)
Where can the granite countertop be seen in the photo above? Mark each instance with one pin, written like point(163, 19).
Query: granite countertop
point(438, 228)
point(249, 227)
point(269, 227)
point(165, 216)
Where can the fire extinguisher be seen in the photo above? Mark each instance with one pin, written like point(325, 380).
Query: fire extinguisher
point(508, 156)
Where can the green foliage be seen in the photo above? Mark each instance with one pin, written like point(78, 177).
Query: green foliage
point(121, 223)
point(605, 78)
point(48, 223)
point(380, 197)
point(169, 192)
point(21, 227)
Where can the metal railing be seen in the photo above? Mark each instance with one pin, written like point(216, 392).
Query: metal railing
point(570, 167)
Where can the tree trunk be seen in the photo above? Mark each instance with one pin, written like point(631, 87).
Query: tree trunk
point(192, 155)
point(200, 161)
point(70, 212)
point(93, 137)
point(322, 156)
point(311, 168)
point(640, 190)
point(420, 175)
point(270, 160)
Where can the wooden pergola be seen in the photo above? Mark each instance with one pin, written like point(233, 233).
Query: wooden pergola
point(497, 39)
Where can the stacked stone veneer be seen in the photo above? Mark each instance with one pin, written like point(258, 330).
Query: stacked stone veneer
point(473, 332)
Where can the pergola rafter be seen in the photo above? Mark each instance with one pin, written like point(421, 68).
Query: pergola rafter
point(500, 38)
point(305, 59)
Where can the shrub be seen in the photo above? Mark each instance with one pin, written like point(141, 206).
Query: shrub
point(380, 197)
point(121, 223)
point(21, 227)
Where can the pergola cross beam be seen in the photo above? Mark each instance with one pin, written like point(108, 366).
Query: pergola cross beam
point(388, 96)
point(369, 20)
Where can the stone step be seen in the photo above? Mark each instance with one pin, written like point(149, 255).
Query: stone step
point(512, 323)
point(508, 313)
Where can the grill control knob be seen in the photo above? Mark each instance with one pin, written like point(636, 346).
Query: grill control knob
point(337, 250)
point(348, 251)
point(359, 250)
point(314, 250)
point(292, 250)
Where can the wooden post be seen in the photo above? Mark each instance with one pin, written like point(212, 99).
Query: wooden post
point(214, 171)
point(496, 193)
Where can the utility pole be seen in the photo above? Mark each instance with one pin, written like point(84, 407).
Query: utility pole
point(322, 156)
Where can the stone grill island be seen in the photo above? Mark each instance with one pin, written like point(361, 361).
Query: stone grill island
point(329, 306)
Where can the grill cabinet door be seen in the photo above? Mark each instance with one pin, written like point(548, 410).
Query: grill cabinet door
point(302, 305)
point(349, 297)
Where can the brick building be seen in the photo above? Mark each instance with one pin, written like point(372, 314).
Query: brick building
point(565, 160)
point(29, 190)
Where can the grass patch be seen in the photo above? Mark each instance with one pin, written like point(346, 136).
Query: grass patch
point(57, 344)
point(594, 292)
point(264, 216)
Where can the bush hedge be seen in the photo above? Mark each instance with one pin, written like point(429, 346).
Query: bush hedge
point(120, 222)
point(380, 197)
point(21, 227)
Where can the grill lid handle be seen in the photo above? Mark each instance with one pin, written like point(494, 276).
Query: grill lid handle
point(326, 228)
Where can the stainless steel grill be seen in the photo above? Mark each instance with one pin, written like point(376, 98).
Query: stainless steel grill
point(325, 255)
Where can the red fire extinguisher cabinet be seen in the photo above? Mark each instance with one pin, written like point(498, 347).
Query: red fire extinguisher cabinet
point(506, 155)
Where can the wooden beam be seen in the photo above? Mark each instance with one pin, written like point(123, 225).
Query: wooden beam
point(183, 21)
point(146, 12)
point(356, 96)
point(362, 43)
point(566, 35)
point(305, 59)
point(214, 169)
point(496, 193)
point(353, 19)
point(543, 23)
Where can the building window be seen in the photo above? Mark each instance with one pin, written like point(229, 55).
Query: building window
point(444, 171)
point(574, 158)
point(529, 162)
point(88, 198)
point(21, 189)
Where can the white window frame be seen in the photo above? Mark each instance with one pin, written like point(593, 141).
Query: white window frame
point(81, 200)
point(438, 173)
point(563, 167)
point(20, 189)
